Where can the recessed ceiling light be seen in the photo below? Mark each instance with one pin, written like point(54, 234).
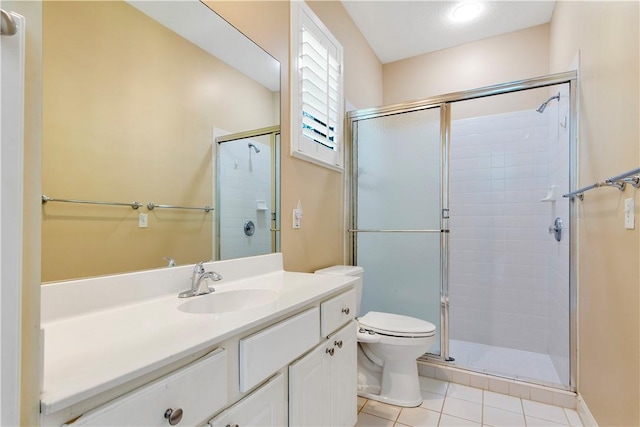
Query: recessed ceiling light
point(466, 11)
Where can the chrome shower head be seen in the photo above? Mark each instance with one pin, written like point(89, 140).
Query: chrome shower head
point(252, 145)
point(541, 108)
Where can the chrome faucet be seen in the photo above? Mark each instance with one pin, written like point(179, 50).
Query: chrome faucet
point(199, 279)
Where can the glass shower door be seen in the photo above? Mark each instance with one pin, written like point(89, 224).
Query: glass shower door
point(248, 194)
point(397, 213)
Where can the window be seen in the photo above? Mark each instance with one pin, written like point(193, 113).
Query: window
point(316, 92)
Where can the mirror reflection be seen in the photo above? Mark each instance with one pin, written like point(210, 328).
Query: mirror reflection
point(248, 188)
point(134, 95)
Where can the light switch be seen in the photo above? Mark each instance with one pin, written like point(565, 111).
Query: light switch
point(296, 218)
point(629, 214)
point(143, 220)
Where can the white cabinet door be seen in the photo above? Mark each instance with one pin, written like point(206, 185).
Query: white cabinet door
point(323, 384)
point(263, 408)
point(344, 381)
point(309, 388)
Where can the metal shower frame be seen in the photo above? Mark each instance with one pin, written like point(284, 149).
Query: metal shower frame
point(443, 102)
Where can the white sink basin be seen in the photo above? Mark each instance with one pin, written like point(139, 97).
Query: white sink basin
point(227, 301)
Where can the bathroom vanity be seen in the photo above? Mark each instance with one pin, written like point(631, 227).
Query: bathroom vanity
point(268, 348)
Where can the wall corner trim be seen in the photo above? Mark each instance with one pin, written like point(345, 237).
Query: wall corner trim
point(585, 414)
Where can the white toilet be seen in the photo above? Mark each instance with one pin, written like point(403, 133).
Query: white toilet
point(388, 346)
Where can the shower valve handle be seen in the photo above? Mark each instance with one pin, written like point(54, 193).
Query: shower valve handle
point(556, 229)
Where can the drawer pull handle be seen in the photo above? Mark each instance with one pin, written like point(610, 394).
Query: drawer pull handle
point(173, 415)
point(338, 343)
point(233, 425)
point(346, 310)
point(331, 351)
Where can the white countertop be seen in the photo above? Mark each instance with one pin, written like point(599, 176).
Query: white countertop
point(91, 352)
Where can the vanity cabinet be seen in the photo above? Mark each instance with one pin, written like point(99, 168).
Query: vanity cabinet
point(323, 383)
point(185, 397)
point(175, 367)
point(266, 406)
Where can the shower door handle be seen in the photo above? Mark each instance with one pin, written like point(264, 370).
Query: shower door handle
point(556, 229)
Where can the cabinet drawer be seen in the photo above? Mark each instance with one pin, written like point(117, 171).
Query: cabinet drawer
point(264, 407)
point(265, 352)
point(337, 311)
point(199, 389)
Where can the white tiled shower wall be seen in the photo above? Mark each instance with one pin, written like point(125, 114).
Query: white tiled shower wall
point(246, 178)
point(507, 274)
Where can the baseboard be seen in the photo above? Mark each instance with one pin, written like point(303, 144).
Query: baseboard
point(583, 410)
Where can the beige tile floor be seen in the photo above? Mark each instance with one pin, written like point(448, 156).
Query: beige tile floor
point(448, 404)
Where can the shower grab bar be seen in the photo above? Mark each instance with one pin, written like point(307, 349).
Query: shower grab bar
point(133, 205)
point(618, 181)
point(152, 206)
point(397, 231)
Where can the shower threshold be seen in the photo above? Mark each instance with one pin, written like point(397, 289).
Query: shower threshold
point(503, 362)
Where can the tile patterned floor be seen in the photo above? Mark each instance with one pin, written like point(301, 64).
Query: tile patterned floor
point(448, 404)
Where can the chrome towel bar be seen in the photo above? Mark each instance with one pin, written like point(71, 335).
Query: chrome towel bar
point(396, 231)
point(133, 205)
point(618, 181)
point(151, 206)
point(624, 175)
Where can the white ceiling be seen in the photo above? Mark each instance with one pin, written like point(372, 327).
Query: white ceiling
point(401, 29)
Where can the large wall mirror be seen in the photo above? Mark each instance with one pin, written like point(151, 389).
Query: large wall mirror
point(136, 96)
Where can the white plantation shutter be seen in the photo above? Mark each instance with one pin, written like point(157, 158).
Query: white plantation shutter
point(319, 88)
point(317, 95)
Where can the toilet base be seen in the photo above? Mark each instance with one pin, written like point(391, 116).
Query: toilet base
point(390, 401)
point(396, 383)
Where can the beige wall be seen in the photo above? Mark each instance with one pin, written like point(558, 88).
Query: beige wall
point(606, 34)
point(514, 56)
point(320, 241)
point(128, 115)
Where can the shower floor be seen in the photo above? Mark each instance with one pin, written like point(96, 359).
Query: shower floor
point(511, 363)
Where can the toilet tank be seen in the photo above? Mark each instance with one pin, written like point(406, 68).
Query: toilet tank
point(348, 270)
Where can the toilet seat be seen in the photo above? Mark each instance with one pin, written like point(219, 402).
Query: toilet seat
point(395, 325)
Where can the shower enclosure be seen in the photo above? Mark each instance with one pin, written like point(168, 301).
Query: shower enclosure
point(457, 218)
point(247, 193)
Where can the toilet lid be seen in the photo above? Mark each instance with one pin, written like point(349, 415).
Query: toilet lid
point(396, 324)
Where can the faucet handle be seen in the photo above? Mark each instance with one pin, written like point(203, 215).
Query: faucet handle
point(215, 276)
point(198, 268)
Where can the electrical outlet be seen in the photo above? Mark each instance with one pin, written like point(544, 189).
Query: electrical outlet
point(629, 214)
point(143, 220)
